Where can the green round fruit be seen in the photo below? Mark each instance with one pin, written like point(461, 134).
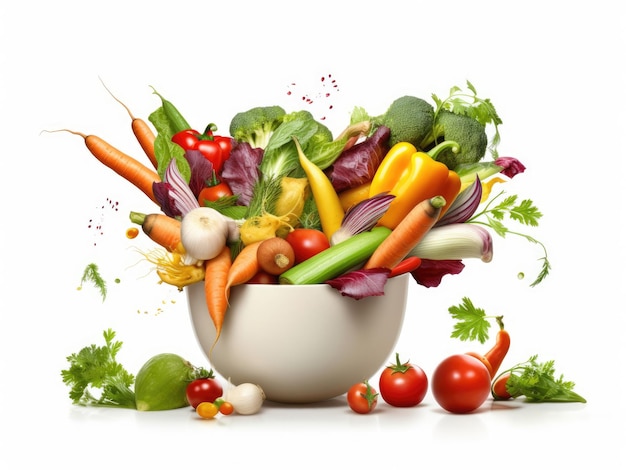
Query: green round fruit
point(161, 383)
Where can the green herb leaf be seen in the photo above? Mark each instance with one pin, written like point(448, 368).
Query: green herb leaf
point(95, 369)
point(537, 382)
point(91, 274)
point(470, 104)
point(472, 322)
point(493, 215)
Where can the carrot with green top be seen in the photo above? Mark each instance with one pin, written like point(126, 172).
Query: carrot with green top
point(406, 234)
point(162, 229)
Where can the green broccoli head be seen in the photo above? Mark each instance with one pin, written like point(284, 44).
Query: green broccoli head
point(409, 119)
point(465, 130)
point(256, 125)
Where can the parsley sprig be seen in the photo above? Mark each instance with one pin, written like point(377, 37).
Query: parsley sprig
point(472, 322)
point(538, 383)
point(494, 212)
point(95, 370)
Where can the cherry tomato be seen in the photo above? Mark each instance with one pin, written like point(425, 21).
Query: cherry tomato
point(362, 398)
point(207, 410)
point(203, 390)
point(262, 277)
point(461, 383)
point(226, 408)
point(403, 384)
point(307, 242)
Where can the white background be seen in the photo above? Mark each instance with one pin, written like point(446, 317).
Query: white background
point(554, 72)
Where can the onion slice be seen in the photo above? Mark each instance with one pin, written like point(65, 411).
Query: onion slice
point(362, 217)
point(464, 206)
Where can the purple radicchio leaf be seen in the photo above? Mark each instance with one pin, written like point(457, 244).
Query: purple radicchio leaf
point(166, 202)
point(430, 272)
point(201, 171)
point(241, 171)
point(361, 283)
point(358, 164)
point(511, 166)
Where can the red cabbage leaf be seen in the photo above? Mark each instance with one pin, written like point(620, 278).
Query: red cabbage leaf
point(361, 283)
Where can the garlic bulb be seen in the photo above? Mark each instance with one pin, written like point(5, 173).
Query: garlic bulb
point(246, 398)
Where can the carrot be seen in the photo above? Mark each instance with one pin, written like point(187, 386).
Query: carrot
point(161, 229)
point(123, 164)
point(407, 234)
point(215, 278)
point(142, 131)
point(245, 266)
point(496, 354)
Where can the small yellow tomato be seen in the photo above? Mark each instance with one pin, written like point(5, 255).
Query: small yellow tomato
point(207, 410)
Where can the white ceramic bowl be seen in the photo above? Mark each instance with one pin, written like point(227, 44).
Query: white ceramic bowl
point(301, 344)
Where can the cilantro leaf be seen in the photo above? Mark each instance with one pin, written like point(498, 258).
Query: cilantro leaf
point(472, 322)
point(95, 369)
point(537, 382)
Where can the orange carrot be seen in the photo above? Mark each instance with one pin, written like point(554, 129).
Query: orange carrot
point(161, 229)
point(215, 278)
point(141, 129)
point(244, 266)
point(123, 164)
point(407, 234)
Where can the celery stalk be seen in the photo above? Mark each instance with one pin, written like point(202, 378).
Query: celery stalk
point(336, 260)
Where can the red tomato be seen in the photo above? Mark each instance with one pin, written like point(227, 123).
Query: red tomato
point(362, 398)
point(461, 383)
point(213, 193)
point(307, 242)
point(203, 390)
point(403, 384)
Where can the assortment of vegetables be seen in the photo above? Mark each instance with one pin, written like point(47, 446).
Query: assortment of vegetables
point(281, 200)
point(166, 381)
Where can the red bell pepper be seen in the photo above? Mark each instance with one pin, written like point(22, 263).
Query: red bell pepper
point(216, 149)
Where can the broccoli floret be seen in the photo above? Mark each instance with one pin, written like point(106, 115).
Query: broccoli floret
point(408, 118)
point(256, 125)
point(465, 130)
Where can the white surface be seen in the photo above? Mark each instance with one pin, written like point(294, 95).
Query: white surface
point(554, 72)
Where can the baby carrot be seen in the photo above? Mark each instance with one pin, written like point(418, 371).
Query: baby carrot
point(141, 129)
point(215, 278)
point(161, 229)
point(123, 164)
point(407, 234)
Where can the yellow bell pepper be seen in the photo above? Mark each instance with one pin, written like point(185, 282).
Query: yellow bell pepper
point(412, 177)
